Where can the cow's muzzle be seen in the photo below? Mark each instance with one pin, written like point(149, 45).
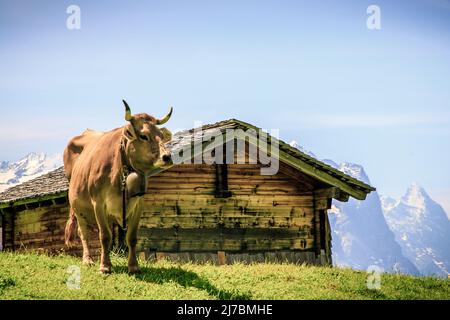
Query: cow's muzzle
point(165, 161)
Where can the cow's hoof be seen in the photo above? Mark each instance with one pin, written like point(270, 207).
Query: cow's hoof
point(105, 269)
point(88, 261)
point(134, 269)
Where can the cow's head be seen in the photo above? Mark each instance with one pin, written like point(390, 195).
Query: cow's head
point(145, 147)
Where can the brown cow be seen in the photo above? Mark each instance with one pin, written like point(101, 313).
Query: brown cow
point(100, 166)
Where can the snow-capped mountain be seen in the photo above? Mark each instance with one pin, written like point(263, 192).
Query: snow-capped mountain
point(387, 203)
point(360, 234)
point(27, 168)
point(422, 229)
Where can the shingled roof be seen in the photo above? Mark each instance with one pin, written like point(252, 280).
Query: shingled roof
point(51, 185)
point(54, 184)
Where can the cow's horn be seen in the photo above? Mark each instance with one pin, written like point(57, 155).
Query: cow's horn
point(166, 118)
point(128, 115)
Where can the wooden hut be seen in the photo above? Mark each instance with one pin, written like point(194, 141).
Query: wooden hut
point(205, 211)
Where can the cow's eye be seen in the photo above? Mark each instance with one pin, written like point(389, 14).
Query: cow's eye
point(143, 137)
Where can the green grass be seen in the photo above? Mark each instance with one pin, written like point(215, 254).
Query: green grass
point(33, 276)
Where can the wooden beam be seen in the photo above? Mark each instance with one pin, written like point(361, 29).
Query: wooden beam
point(333, 192)
point(221, 184)
point(322, 229)
point(322, 203)
point(315, 224)
point(328, 240)
point(160, 256)
point(342, 197)
point(222, 258)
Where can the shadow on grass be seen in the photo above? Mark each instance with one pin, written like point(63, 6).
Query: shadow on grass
point(183, 278)
point(6, 282)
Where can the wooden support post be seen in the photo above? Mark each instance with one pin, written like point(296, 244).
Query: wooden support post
point(323, 258)
point(221, 185)
point(322, 230)
point(143, 256)
point(332, 192)
point(328, 240)
point(148, 256)
point(222, 258)
point(160, 256)
point(315, 226)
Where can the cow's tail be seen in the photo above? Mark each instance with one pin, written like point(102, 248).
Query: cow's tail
point(71, 229)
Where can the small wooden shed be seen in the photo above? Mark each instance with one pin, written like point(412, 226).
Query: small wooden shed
point(205, 211)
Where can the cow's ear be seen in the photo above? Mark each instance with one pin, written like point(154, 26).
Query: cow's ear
point(167, 135)
point(129, 132)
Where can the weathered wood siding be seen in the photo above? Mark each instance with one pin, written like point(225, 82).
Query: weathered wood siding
point(41, 228)
point(263, 213)
point(7, 229)
point(259, 218)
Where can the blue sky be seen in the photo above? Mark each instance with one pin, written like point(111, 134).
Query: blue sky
point(313, 69)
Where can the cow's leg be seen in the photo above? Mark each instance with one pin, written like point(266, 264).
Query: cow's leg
point(105, 238)
point(85, 239)
point(133, 217)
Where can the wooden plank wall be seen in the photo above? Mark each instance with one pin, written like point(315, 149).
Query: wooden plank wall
point(322, 228)
point(264, 213)
point(263, 218)
point(42, 229)
point(7, 229)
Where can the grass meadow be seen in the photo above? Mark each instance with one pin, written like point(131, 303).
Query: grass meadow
point(39, 276)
